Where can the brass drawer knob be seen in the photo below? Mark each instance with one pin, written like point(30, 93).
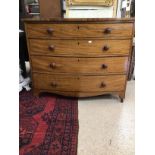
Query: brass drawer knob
point(52, 65)
point(103, 85)
point(105, 48)
point(104, 66)
point(54, 84)
point(107, 30)
point(51, 47)
point(50, 31)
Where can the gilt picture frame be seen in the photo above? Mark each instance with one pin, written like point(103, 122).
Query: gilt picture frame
point(90, 2)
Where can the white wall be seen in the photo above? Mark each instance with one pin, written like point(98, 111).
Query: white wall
point(119, 8)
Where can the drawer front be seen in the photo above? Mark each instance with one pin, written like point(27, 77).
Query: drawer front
point(80, 65)
point(79, 30)
point(57, 82)
point(80, 47)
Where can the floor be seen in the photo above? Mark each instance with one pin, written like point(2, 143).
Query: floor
point(106, 126)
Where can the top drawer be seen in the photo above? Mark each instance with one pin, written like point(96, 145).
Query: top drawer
point(79, 30)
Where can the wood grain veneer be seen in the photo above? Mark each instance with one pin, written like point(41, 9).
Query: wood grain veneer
point(79, 30)
point(79, 83)
point(78, 47)
point(117, 65)
point(79, 57)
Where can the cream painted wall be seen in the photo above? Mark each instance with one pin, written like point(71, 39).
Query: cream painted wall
point(119, 8)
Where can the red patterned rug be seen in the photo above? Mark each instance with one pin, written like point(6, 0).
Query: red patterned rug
point(48, 125)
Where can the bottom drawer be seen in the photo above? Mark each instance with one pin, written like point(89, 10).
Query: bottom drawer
point(61, 82)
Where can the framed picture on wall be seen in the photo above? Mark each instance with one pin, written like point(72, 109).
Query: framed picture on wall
point(91, 2)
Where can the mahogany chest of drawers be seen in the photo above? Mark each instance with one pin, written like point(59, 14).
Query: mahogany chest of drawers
point(79, 57)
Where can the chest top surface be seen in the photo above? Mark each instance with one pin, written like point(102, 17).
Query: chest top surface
point(83, 20)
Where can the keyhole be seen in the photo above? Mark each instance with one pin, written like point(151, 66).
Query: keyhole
point(78, 27)
point(78, 43)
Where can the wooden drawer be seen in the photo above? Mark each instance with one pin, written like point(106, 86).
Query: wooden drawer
point(79, 47)
point(57, 82)
point(79, 30)
point(80, 65)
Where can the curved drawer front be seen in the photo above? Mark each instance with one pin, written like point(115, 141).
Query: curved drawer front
point(80, 47)
point(79, 30)
point(80, 65)
point(57, 82)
